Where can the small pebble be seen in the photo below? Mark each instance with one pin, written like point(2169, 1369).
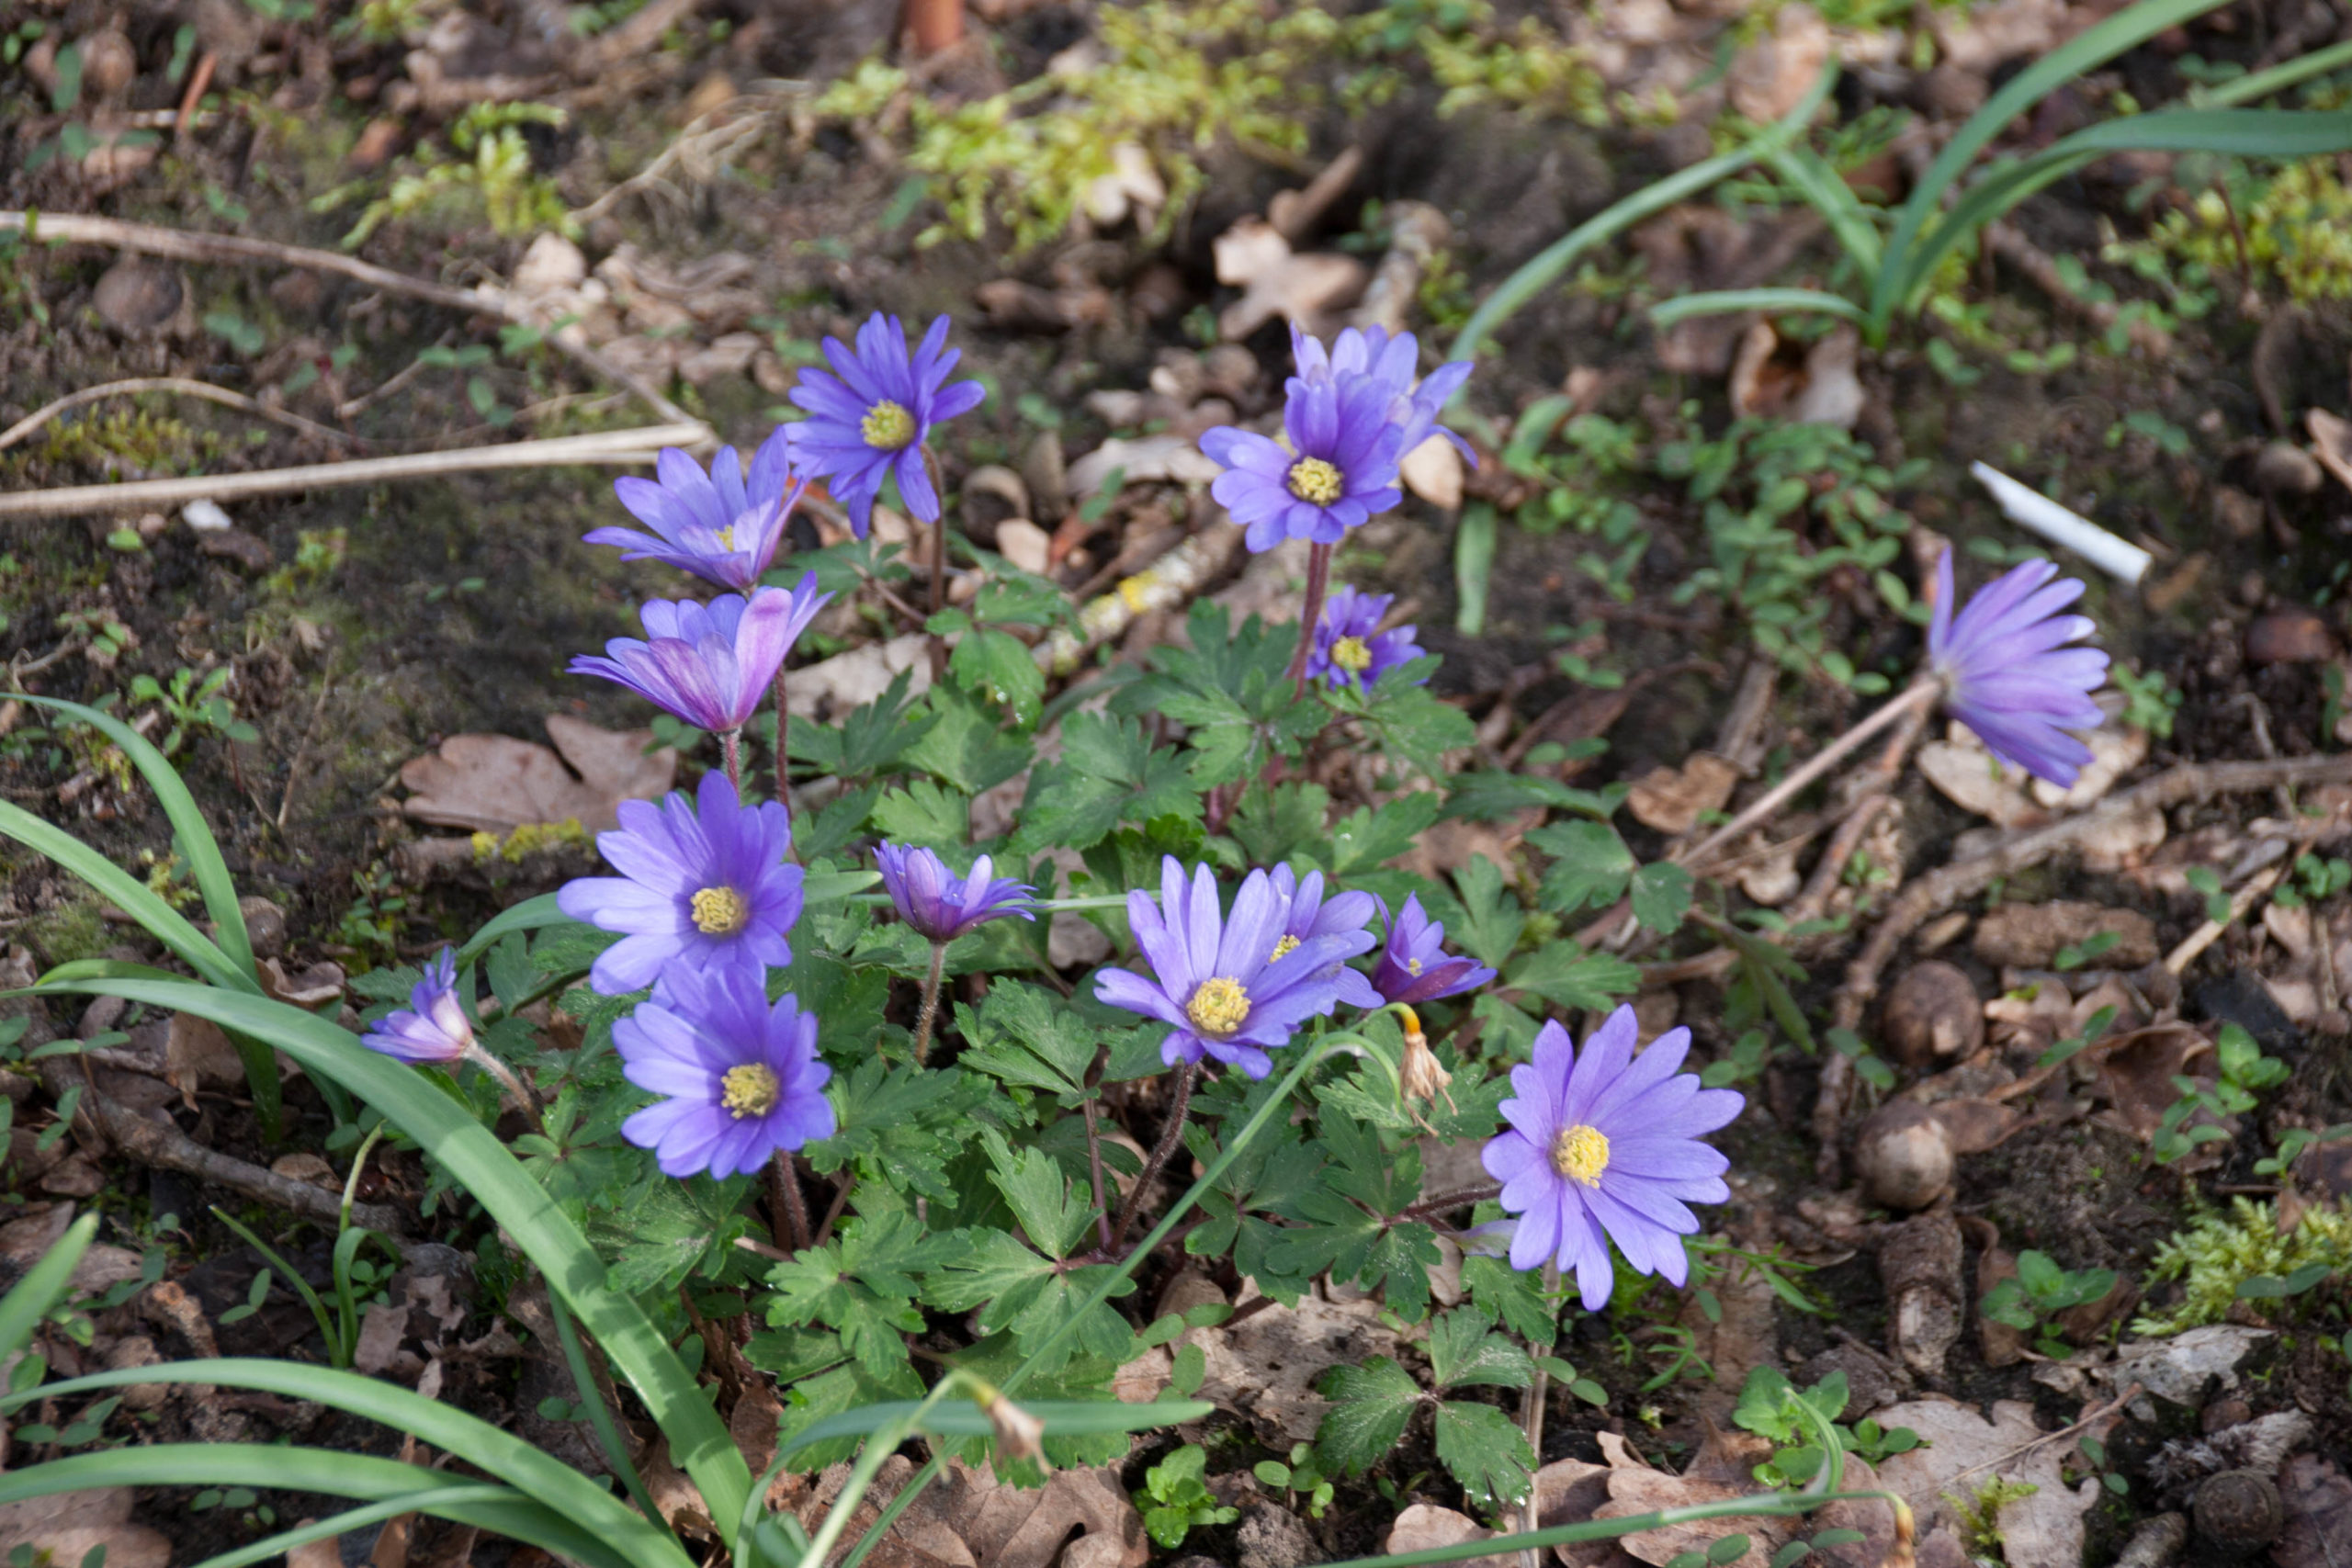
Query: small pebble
point(2239, 1512)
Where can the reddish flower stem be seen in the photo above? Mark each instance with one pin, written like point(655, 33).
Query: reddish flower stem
point(1171, 1134)
point(1318, 578)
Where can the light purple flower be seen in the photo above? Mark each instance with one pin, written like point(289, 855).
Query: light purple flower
point(1414, 966)
point(710, 665)
point(1218, 981)
point(1350, 649)
point(1604, 1148)
point(433, 1026)
point(2007, 673)
point(714, 526)
point(741, 1078)
point(1393, 361)
point(930, 898)
point(1307, 915)
point(872, 419)
point(702, 887)
point(1340, 465)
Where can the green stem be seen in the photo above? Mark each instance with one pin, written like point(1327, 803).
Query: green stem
point(930, 1001)
point(592, 1397)
point(878, 1448)
point(1115, 1276)
point(359, 1164)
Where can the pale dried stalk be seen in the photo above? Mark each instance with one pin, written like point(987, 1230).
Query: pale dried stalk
point(179, 384)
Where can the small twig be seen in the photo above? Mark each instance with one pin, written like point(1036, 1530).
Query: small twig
point(620, 446)
point(179, 384)
point(1916, 699)
point(2241, 904)
point(1461, 1198)
point(198, 81)
point(351, 408)
point(1532, 1422)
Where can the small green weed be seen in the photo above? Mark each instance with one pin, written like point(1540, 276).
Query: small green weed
point(1180, 1500)
point(2221, 1259)
point(2032, 1301)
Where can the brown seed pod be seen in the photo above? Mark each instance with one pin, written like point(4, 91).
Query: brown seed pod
point(1904, 1156)
point(2239, 1511)
point(1932, 1014)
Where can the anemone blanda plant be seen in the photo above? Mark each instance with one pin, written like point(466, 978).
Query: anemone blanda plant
point(720, 526)
point(942, 906)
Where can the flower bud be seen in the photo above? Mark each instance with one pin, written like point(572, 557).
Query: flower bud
point(1018, 1435)
point(1422, 1076)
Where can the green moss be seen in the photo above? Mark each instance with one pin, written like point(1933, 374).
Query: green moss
point(74, 930)
point(125, 435)
point(531, 838)
point(1980, 1513)
point(2293, 228)
point(2217, 1253)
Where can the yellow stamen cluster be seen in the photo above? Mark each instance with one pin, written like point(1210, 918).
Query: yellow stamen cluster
point(887, 426)
point(1283, 949)
point(720, 911)
point(1218, 1008)
point(1351, 653)
point(1315, 480)
point(1581, 1154)
point(751, 1090)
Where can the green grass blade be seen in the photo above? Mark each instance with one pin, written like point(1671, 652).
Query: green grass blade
point(1540, 271)
point(510, 1458)
point(43, 1286)
point(310, 1470)
point(1829, 195)
point(2262, 84)
point(2094, 46)
point(591, 1399)
point(478, 1162)
point(295, 1282)
point(1665, 312)
point(962, 1418)
point(431, 1501)
point(192, 833)
point(1474, 566)
point(126, 892)
point(530, 915)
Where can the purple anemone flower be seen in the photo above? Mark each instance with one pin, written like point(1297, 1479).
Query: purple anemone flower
point(710, 665)
point(1350, 649)
point(1217, 978)
point(1339, 468)
point(701, 886)
point(740, 1079)
point(871, 419)
point(1392, 361)
point(715, 525)
point(2007, 673)
point(1605, 1147)
point(1414, 966)
point(929, 897)
point(1307, 915)
point(433, 1026)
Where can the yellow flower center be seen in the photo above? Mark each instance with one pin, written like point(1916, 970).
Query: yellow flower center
point(720, 911)
point(727, 537)
point(1413, 967)
point(887, 426)
point(1313, 480)
point(751, 1090)
point(1581, 1154)
point(1349, 653)
point(1218, 1008)
point(1283, 949)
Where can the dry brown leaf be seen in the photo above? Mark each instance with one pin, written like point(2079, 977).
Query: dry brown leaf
point(196, 1055)
point(2136, 1073)
point(2332, 443)
point(2319, 1514)
point(1974, 1125)
point(1278, 284)
point(1144, 458)
point(496, 784)
point(972, 1521)
point(1964, 1452)
point(64, 1526)
point(1433, 471)
point(1424, 1526)
point(1970, 778)
point(2030, 936)
point(1983, 37)
point(1771, 75)
point(322, 1554)
point(1263, 1366)
point(2115, 748)
point(1672, 800)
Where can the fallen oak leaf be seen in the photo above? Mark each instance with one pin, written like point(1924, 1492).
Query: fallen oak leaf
point(495, 783)
point(1964, 1454)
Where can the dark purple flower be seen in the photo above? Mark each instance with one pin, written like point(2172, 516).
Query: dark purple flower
point(1307, 915)
point(714, 526)
point(1415, 968)
point(433, 1026)
point(702, 887)
point(2008, 674)
point(1605, 1147)
point(741, 1078)
point(1393, 361)
point(1340, 466)
point(873, 418)
point(1350, 649)
point(929, 897)
point(710, 665)
point(1217, 978)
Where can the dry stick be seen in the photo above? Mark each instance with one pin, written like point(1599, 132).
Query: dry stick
point(1170, 1137)
point(639, 445)
point(930, 1001)
point(1915, 699)
point(150, 239)
point(1318, 579)
point(1949, 886)
point(180, 384)
point(2206, 934)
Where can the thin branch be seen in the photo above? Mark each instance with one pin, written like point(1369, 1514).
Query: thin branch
point(179, 384)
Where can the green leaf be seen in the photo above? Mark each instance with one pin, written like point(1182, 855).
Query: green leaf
point(860, 1285)
point(1492, 918)
point(1023, 1036)
point(1565, 976)
point(1109, 773)
point(1370, 837)
point(847, 1390)
point(1039, 1194)
point(964, 745)
point(922, 814)
point(1774, 301)
point(1511, 1297)
point(1591, 866)
point(1370, 1405)
point(907, 1124)
point(999, 668)
point(1464, 1350)
point(1484, 1451)
point(1662, 895)
point(43, 1286)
